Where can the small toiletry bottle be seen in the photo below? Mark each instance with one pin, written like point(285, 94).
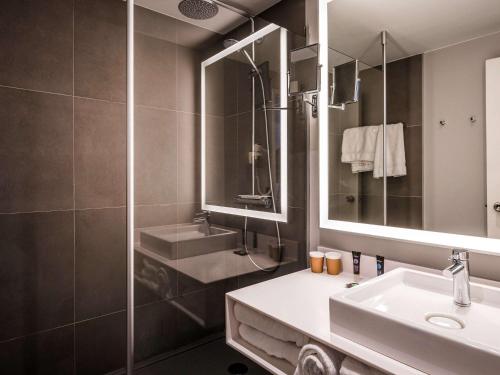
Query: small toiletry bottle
point(356, 261)
point(380, 265)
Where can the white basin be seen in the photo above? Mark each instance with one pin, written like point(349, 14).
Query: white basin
point(186, 240)
point(410, 316)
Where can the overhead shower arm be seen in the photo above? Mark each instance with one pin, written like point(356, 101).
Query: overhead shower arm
point(232, 8)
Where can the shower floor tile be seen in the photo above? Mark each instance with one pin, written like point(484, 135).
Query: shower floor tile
point(210, 359)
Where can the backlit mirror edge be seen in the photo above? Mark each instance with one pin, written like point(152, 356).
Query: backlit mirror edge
point(475, 244)
point(282, 216)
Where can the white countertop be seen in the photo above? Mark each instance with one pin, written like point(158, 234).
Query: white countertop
point(301, 301)
point(215, 266)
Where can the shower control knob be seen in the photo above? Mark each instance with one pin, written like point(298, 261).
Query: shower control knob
point(496, 206)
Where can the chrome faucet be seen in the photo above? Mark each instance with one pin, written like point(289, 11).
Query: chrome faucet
point(459, 271)
point(203, 218)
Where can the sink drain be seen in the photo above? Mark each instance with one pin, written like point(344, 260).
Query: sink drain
point(237, 369)
point(445, 321)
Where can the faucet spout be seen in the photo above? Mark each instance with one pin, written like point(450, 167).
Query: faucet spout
point(459, 272)
point(203, 218)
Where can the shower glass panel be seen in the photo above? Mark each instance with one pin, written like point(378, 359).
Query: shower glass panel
point(178, 304)
point(244, 127)
point(355, 193)
point(186, 259)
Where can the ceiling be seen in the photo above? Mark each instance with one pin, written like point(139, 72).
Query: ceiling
point(222, 23)
point(413, 26)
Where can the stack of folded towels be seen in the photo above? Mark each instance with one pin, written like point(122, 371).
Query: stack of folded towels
point(363, 148)
point(282, 342)
point(266, 334)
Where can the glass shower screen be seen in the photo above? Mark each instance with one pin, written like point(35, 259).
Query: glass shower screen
point(244, 127)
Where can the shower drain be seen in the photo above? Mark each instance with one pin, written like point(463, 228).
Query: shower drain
point(237, 369)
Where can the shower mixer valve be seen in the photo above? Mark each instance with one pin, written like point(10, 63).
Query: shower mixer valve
point(256, 154)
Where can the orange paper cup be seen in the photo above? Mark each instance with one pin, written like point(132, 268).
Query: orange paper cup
point(333, 263)
point(317, 261)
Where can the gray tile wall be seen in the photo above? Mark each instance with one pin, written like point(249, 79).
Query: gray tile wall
point(62, 187)
point(404, 104)
point(63, 176)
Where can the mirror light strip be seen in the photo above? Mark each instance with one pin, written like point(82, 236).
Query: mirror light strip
point(130, 186)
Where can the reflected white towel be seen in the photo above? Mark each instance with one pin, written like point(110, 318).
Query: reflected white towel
point(316, 359)
point(396, 159)
point(352, 367)
point(361, 166)
point(359, 146)
point(267, 325)
point(276, 348)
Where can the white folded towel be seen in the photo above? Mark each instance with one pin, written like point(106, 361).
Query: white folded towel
point(395, 154)
point(267, 325)
point(359, 146)
point(352, 367)
point(274, 347)
point(316, 359)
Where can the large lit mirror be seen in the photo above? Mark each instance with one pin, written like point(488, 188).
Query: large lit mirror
point(414, 156)
point(244, 127)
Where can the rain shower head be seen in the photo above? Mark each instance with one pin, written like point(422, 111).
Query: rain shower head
point(198, 9)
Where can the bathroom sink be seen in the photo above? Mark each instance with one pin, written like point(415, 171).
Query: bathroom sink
point(410, 316)
point(186, 240)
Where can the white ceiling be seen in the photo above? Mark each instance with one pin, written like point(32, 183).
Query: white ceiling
point(222, 23)
point(414, 26)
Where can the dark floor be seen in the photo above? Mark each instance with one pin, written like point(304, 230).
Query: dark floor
point(213, 358)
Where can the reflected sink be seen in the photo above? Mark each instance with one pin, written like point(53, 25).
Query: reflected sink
point(410, 316)
point(186, 240)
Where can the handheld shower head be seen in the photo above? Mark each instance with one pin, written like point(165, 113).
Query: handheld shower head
point(231, 42)
point(250, 60)
point(198, 9)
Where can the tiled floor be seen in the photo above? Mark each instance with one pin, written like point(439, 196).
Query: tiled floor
point(210, 359)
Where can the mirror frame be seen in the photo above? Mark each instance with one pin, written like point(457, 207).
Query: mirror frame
point(476, 244)
point(281, 216)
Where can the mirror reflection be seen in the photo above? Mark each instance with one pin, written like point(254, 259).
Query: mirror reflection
point(428, 75)
point(244, 126)
point(303, 70)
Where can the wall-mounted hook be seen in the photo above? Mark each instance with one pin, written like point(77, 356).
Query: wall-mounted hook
point(472, 119)
point(442, 122)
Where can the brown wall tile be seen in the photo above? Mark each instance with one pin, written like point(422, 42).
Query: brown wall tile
point(36, 45)
point(405, 212)
point(100, 49)
point(36, 151)
point(156, 329)
point(155, 215)
point(188, 80)
point(156, 156)
point(155, 72)
point(48, 353)
point(100, 262)
point(100, 344)
point(100, 154)
point(36, 272)
point(189, 158)
point(404, 91)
